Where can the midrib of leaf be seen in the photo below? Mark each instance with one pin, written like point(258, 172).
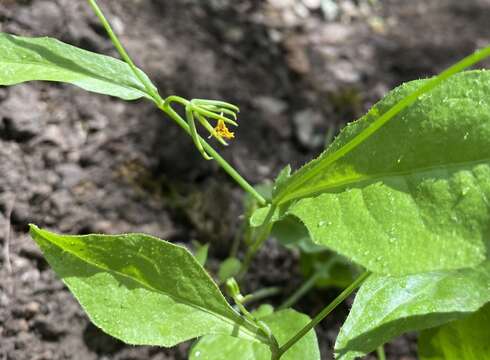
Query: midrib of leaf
point(246, 327)
point(55, 67)
point(318, 189)
point(291, 188)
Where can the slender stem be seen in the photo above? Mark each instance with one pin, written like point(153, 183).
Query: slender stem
point(380, 351)
point(262, 235)
point(165, 107)
point(120, 48)
point(236, 242)
point(327, 310)
point(261, 294)
point(301, 291)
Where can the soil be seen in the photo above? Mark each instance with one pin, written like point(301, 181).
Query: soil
point(78, 163)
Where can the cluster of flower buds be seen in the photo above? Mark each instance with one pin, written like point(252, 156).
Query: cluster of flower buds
point(221, 112)
point(205, 111)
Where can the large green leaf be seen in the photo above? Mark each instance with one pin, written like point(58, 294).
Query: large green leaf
point(140, 289)
point(26, 59)
point(386, 307)
point(293, 234)
point(465, 339)
point(412, 197)
point(283, 324)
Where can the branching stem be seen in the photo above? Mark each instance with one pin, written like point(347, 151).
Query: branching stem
point(165, 106)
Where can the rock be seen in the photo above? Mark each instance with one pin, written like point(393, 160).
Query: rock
point(27, 311)
point(281, 4)
point(62, 201)
point(30, 251)
point(30, 276)
point(345, 72)
point(71, 174)
point(45, 15)
point(53, 134)
point(270, 105)
point(21, 214)
point(297, 57)
point(32, 308)
point(19, 122)
point(274, 113)
point(333, 34)
point(330, 9)
point(312, 4)
point(48, 329)
point(15, 326)
point(308, 128)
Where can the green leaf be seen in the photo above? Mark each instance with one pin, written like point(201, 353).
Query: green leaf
point(465, 339)
point(201, 253)
point(25, 59)
point(283, 324)
point(293, 234)
point(281, 179)
point(263, 311)
point(330, 269)
point(386, 307)
point(412, 197)
point(140, 289)
point(228, 269)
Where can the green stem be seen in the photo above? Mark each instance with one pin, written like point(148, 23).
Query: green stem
point(303, 289)
point(236, 242)
point(165, 107)
point(120, 48)
point(261, 294)
point(324, 313)
point(380, 351)
point(262, 234)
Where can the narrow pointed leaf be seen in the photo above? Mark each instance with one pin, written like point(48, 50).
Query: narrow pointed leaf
point(386, 307)
point(415, 195)
point(140, 289)
point(25, 59)
point(465, 339)
point(283, 324)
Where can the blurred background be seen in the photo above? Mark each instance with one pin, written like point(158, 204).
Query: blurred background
point(77, 162)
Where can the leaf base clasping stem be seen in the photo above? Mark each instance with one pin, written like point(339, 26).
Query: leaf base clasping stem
point(234, 292)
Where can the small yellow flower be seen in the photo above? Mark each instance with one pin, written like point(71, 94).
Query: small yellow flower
point(222, 131)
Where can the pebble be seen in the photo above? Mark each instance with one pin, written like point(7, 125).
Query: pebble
point(312, 4)
point(71, 174)
point(306, 124)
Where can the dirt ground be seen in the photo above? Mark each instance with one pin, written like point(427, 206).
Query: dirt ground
point(78, 163)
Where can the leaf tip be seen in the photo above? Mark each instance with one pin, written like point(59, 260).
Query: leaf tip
point(33, 228)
